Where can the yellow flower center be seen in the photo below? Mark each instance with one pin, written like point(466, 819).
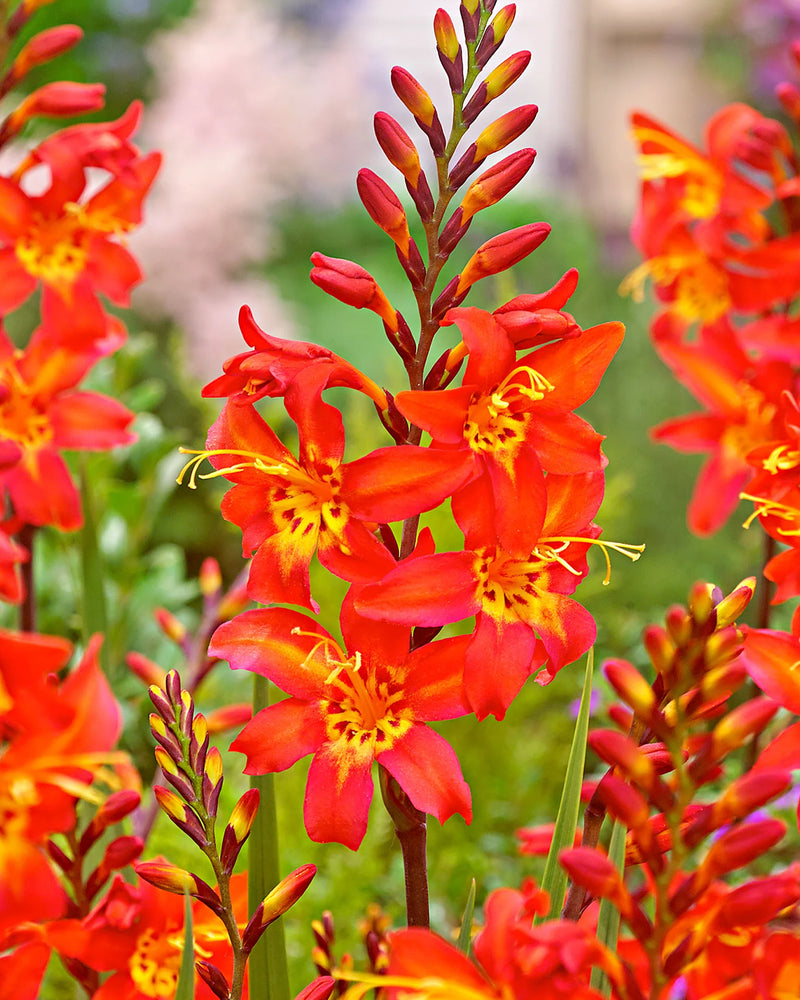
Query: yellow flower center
point(497, 419)
point(155, 964)
point(21, 416)
point(56, 249)
point(701, 288)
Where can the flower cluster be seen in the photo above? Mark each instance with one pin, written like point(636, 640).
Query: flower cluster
point(521, 470)
point(719, 231)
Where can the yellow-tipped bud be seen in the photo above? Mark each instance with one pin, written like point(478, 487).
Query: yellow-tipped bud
point(730, 608)
point(210, 577)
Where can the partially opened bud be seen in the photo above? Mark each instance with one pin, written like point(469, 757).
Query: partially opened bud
point(350, 283)
point(283, 897)
point(730, 608)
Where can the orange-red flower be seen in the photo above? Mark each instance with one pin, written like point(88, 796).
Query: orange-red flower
point(524, 620)
point(289, 507)
point(513, 418)
point(42, 413)
point(63, 239)
point(136, 932)
point(348, 709)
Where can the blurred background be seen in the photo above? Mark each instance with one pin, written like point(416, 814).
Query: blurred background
point(263, 109)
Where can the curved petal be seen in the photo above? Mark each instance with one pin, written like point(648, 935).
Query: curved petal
point(771, 659)
point(279, 572)
point(426, 768)
point(491, 352)
point(406, 595)
point(519, 492)
point(16, 284)
point(242, 428)
point(499, 659)
point(716, 492)
point(355, 554)
point(279, 735)
point(576, 366)
point(112, 270)
point(90, 421)
point(42, 491)
point(391, 484)
point(567, 444)
point(419, 953)
point(338, 794)
point(382, 643)
point(278, 643)
point(566, 629)
point(434, 684)
point(440, 412)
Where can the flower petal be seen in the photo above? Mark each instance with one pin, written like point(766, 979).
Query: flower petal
point(338, 794)
point(279, 735)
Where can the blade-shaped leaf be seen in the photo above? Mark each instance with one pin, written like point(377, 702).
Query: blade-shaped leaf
point(554, 881)
point(269, 972)
point(608, 918)
point(465, 934)
point(185, 989)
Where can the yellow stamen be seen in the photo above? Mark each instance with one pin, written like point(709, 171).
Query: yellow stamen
point(632, 552)
point(258, 462)
point(772, 508)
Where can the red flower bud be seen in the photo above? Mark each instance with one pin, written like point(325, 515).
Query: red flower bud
point(398, 147)
point(413, 95)
point(44, 47)
point(61, 99)
point(283, 897)
point(350, 283)
point(739, 846)
point(213, 978)
point(384, 208)
point(740, 724)
point(495, 183)
point(210, 577)
point(219, 720)
point(631, 687)
point(495, 33)
point(495, 84)
point(169, 625)
point(146, 670)
point(502, 252)
point(319, 989)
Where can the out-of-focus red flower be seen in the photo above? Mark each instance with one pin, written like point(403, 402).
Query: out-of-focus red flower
point(63, 242)
point(136, 933)
point(350, 709)
point(42, 413)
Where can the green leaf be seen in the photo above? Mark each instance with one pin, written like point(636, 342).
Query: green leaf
point(554, 880)
point(465, 934)
point(95, 617)
point(185, 990)
point(269, 972)
point(608, 918)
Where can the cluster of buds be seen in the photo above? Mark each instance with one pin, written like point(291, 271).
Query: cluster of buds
point(681, 728)
point(194, 769)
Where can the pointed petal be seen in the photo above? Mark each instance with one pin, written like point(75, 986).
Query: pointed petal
point(434, 684)
point(89, 421)
point(277, 643)
point(391, 484)
point(499, 660)
point(279, 572)
point(782, 752)
point(567, 445)
point(716, 492)
point(112, 270)
point(421, 954)
point(576, 366)
point(338, 794)
point(426, 768)
point(772, 660)
point(440, 412)
point(279, 735)
point(491, 353)
point(42, 491)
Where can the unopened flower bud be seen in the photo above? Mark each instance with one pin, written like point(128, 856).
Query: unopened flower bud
point(495, 183)
point(170, 878)
point(283, 897)
point(398, 147)
point(494, 34)
point(210, 577)
point(116, 807)
point(43, 47)
point(219, 720)
point(660, 648)
point(350, 283)
point(319, 989)
point(701, 602)
point(419, 103)
point(238, 829)
point(740, 724)
point(494, 137)
point(175, 775)
point(118, 854)
point(495, 84)
point(145, 669)
point(384, 208)
point(502, 252)
point(730, 608)
point(165, 737)
point(470, 18)
point(213, 978)
point(61, 99)
point(170, 625)
point(181, 815)
point(757, 903)
point(596, 873)
point(739, 846)
point(679, 624)
point(749, 792)
point(198, 745)
point(631, 687)
point(212, 780)
point(449, 50)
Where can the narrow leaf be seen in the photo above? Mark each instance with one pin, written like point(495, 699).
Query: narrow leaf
point(465, 934)
point(554, 880)
point(185, 989)
point(608, 917)
point(269, 972)
point(93, 596)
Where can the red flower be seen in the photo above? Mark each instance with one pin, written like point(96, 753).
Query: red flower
point(514, 419)
point(41, 413)
point(349, 709)
point(273, 364)
point(136, 933)
point(63, 242)
point(289, 507)
point(523, 617)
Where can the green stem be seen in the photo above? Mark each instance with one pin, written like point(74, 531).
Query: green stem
point(269, 972)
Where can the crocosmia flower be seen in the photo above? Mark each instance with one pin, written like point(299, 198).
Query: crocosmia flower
point(349, 707)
